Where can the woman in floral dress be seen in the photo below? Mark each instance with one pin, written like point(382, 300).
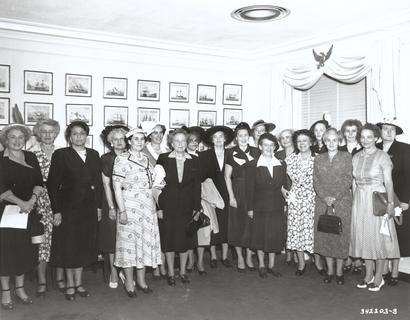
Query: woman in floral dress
point(301, 198)
point(46, 132)
point(138, 243)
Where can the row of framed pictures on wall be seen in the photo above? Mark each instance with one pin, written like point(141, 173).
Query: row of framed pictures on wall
point(79, 85)
point(36, 111)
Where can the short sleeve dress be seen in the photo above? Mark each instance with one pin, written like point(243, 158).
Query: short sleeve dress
point(301, 210)
point(137, 242)
point(366, 240)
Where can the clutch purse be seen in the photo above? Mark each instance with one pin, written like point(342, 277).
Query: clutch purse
point(199, 220)
point(380, 203)
point(329, 222)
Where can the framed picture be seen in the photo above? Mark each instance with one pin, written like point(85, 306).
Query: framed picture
point(4, 78)
point(115, 88)
point(148, 90)
point(178, 118)
point(232, 117)
point(206, 94)
point(78, 85)
point(79, 112)
point(4, 111)
point(37, 111)
point(115, 116)
point(148, 114)
point(178, 92)
point(38, 82)
point(89, 141)
point(232, 94)
point(206, 119)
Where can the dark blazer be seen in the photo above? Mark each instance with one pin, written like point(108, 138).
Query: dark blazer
point(2, 187)
point(399, 153)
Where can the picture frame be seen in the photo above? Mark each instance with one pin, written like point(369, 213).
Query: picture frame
point(206, 94)
point(148, 90)
point(115, 115)
point(78, 85)
point(79, 112)
point(115, 88)
point(38, 82)
point(232, 94)
point(232, 117)
point(207, 118)
point(148, 114)
point(37, 111)
point(178, 92)
point(4, 78)
point(4, 111)
point(178, 118)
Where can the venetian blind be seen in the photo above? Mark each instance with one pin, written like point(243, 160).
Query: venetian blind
point(337, 100)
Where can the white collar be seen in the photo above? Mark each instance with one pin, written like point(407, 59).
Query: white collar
point(263, 162)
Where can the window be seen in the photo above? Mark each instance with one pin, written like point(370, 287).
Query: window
point(336, 100)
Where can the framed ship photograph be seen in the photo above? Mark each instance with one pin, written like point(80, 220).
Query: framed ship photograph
point(4, 111)
point(37, 111)
point(206, 94)
point(148, 90)
point(178, 92)
point(148, 114)
point(178, 118)
point(232, 94)
point(232, 117)
point(78, 85)
point(115, 88)
point(4, 78)
point(114, 115)
point(38, 82)
point(79, 112)
point(206, 118)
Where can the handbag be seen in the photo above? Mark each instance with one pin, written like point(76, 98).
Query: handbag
point(329, 222)
point(380, 203)
point(199, 220)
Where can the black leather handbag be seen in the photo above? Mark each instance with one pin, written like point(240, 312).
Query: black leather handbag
point(199, 220)
point(329, 222)
point(380, 203)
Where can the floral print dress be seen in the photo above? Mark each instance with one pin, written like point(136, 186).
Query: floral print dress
point(302, 203)
point(44, 206)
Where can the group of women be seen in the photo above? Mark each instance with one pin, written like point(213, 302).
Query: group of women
point(138, 202)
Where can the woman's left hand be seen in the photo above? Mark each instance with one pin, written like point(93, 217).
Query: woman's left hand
point(112, 214)
point(99, 215)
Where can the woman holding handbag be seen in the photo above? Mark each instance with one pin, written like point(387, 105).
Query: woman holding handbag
point(332, 179)
point(373, 238)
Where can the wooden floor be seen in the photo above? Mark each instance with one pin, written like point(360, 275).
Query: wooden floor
point(223, 294)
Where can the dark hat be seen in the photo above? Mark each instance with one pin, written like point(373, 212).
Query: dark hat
point(196, 130)
point(268, 125)
point(390, 122)
point(210, 132)
point(323, 121)
point(242, 126)
point(104, 134)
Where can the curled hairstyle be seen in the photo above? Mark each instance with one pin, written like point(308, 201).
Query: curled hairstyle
point(270, 137)
point(46, 122)
point(302, 132)
point(352, 123)
point(74, 124)
point(328, 132)
point(20, 127)
point(372, 127)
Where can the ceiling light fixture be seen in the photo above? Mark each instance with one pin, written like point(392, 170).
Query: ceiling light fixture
point(260, 13)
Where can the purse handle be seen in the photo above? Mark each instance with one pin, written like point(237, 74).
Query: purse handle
point(333, 209)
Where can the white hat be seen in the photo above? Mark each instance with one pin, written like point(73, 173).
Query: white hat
point(134, 131)
point(148, 126)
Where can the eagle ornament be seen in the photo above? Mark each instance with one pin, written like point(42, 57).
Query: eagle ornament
point(322, 57)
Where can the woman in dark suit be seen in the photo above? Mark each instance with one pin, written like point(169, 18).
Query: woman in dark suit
point(266, 178)
point(399, 153)
point(75, 189)
point(23, 181)
point(213, 166)
point(177, 202)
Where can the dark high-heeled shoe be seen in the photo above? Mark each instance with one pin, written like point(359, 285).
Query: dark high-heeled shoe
point(227, 263)
point(347, 268)
point(202, 272)
point(82, 293)
point(214, 263)
point(7, 305)
point(171, 281)
point(321, 271)
point(145, 290)
point(25, 301)
point(61, 288)
point(357, 270)
point(299, 272)
point(69, 296)
point(184, 278)
point(41, 294)
point(130, 294)
point(340, 280)
point(241, 270)
point(328, 278)
point(274, 273)
point(394, 281)
point(262, 272)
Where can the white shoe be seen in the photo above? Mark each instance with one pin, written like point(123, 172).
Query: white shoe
point(363, 284)
point(113, 285)
point(374, 287)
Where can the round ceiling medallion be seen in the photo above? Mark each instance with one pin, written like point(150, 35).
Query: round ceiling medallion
point(260, 13)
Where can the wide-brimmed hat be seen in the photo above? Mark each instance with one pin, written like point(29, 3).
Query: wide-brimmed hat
point(323, 121)
point(390, 122)
point(148, 127)
point(210, 132)
point(268, 125)
point(196, 130)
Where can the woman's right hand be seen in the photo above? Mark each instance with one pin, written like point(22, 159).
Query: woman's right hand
point(57, 219)
point(160, 214)
point(123, 217)
point(233, 203)
point(112, 214)
point(26, 206)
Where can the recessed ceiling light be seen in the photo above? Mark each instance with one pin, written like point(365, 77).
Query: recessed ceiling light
point(260, 13)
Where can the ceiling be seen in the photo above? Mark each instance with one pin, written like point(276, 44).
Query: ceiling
point(207, 23)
